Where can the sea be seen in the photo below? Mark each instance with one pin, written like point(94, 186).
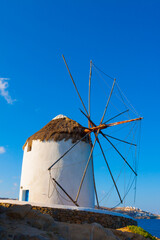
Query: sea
point(150, 225)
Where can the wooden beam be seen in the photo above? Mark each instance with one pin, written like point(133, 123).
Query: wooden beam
point(110, 171)
point(74, 84)
point(85, 170)
point(65, 192)
point(120, 140)
point(68, 151)
point(89, 93)
point(108, 101)
point(103, 126)
point(94, 182)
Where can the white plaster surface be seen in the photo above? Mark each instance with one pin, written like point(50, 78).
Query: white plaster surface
point(68, 172)
point(59, 116)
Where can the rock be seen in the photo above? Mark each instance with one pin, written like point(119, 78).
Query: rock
point(3, 234)
point(21, 222)
point(18, 211)
point(99, 232)
point(84, 231)
point(2, 209)
point(27, 237)
point(39, 220)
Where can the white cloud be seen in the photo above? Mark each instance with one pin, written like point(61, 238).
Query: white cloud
point(3, 90)
point(2, 150)
point(1, 181)
point(15, 184)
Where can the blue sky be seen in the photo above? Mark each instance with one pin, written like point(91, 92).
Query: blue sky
point(121, 37)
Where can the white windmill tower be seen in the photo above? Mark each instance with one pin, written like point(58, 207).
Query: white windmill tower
point(42, 150)
point(58, 164)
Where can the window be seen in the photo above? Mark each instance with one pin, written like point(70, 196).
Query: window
point(25, 195)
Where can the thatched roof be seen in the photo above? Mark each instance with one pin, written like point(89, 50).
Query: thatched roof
point(57, 130)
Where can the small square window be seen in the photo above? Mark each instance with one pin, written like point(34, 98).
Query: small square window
point(25, 195)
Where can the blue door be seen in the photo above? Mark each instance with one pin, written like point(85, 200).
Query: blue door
point(26, 195)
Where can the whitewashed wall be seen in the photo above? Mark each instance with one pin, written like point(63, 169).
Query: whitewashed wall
point(68, 172)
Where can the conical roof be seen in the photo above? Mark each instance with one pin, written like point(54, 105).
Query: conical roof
point(59, 128)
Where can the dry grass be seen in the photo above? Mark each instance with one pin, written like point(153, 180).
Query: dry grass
point(57, 130)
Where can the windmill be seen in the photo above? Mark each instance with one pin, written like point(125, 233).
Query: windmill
point(96, 130)
point(63, 141)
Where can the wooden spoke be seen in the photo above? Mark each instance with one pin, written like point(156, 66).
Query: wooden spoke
point(121, 140)
point(67, 151)
point(120, 154)
point(116, 116)
point(94, 182)
point(89, 93)
point(74, 84)
point(84, 173)
point(109, 170)
point(65, 192)
point(92, 123)
point(108, 101)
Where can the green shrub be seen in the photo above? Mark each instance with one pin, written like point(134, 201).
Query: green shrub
point(141, 231)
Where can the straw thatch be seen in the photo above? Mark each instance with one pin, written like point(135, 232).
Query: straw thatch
point(57, 130)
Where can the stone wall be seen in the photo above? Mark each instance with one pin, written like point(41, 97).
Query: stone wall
point(79, 217)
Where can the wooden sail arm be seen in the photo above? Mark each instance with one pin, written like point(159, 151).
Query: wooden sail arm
point(103, 126)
